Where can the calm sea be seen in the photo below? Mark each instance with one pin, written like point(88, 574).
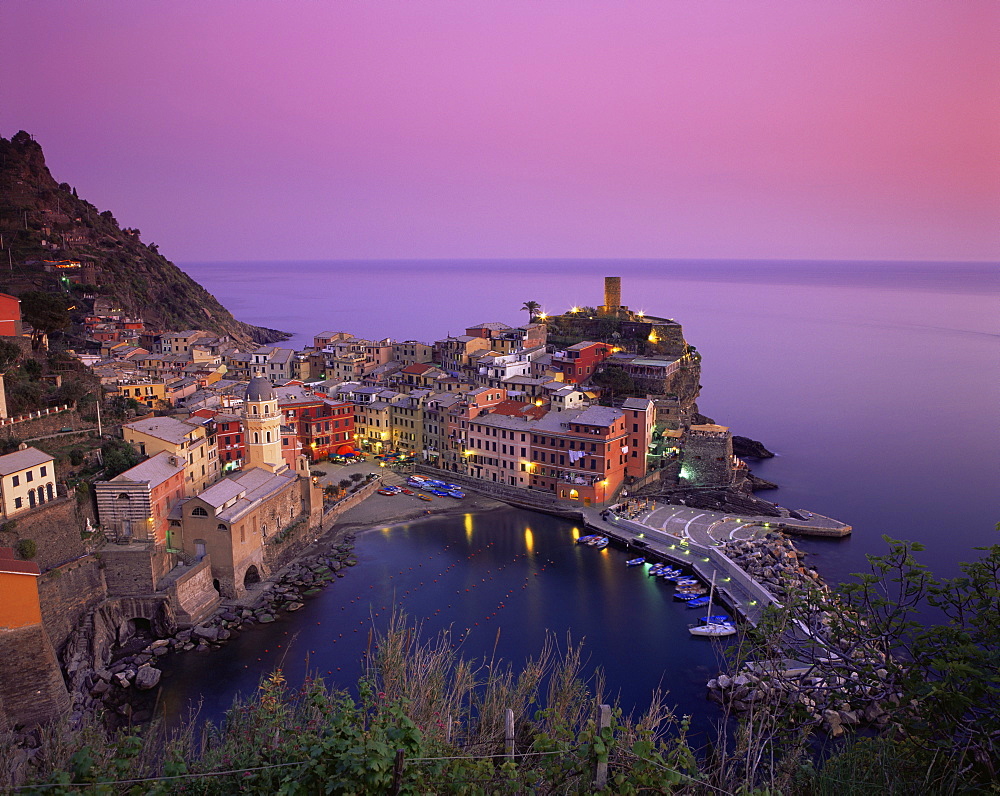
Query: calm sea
point(876, 384)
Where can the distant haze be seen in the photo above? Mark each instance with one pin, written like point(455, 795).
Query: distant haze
point(481, 129)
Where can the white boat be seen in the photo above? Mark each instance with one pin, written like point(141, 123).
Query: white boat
point(709, 628)
point(712, 630)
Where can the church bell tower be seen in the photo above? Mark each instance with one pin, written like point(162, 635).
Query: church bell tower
point(262, 425)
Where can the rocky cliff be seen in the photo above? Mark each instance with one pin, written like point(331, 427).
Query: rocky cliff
point(41, 220)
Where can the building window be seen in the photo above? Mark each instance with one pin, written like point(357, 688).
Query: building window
point(198, 511)
point(29, 476)
point(43, 471)
point(18, 502)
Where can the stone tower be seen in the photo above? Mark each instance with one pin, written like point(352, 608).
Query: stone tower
point(262, 424)
point(612, 295)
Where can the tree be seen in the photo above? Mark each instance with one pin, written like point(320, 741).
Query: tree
point(45, 312)
point(870, 651)
point(10, 356)
point(118, 456)
point(533, 308)
point(615, 382)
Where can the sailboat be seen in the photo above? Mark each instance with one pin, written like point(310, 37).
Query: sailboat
point(710, 628)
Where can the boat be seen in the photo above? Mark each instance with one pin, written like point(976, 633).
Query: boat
point(602, 542)
point(587, 539)
point(458, 494)
point(386, 492)
point(716, 619)
point(712, 630)
point(425, 497)
point(685, 597)
point(709, 629)
point(696, 590)
point(635, 562)
point(698, 602)
point(688, 582)
point(655, 569)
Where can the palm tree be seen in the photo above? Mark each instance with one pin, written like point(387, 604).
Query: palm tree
point(533, 308)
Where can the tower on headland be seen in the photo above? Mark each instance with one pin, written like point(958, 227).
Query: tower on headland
point(612, 296)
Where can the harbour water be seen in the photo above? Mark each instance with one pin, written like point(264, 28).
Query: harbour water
point(875, 383)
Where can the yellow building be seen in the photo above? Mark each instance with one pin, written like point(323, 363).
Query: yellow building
point(187, 442)
point(27, 479)
point(145, 391)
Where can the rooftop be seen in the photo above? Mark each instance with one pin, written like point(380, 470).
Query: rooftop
point(169, 429)
point(154, 471)
point(22, 460)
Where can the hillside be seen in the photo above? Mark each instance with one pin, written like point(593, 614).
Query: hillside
point(41, 219)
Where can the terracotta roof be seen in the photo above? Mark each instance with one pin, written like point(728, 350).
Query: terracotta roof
point(12, 566)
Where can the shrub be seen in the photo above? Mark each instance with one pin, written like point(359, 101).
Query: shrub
point(26, 549)
point(76, 457)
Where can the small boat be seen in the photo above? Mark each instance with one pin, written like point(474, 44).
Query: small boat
point(695, 590)
point(655, 569)
point(685, 597)
point(667, 574)
point(698, 602)
point(688, 582)
point(601, 543)
point(425, 497)
point(716, 619)
point(712, 630)
point(458, 494)
point(587, 539)
point(708, 628)
point(386, 492)
point(635, 562)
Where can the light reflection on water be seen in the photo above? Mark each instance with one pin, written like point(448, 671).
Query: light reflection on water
point(510, 573)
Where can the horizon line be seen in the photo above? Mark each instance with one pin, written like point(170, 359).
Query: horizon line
point(598, 260)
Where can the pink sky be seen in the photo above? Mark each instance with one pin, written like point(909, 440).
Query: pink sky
point(672, 128)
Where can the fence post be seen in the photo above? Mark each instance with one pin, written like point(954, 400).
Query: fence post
point(601, 768)
point(449, 730)
point(397, 773)
point(509, 733)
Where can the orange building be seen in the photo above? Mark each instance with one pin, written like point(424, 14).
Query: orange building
point(10, 315)
point(19, 587)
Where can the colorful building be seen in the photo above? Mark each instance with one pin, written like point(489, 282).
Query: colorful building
point(27, 480)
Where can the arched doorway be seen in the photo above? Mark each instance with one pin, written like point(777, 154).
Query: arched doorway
point(135, 627)
point(251, 577)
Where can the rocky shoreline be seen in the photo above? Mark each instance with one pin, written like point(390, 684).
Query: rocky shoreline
point(119, 689)
point(828, 689)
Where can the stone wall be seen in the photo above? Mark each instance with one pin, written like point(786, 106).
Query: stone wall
point(134, 569)
point(31, 684)
point(277, 554)
point(55, 528)
point(67, 593)
point(46, 424)
point(192, 595)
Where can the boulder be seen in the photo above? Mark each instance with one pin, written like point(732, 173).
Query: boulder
point(725, 681)
point(147, 677)
point(206, 633)
point(832, 723)
point(295, 606)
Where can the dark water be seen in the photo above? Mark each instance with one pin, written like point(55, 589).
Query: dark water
point(499, 582)
point(875, 383)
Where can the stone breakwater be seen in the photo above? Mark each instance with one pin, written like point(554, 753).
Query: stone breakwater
point(776, 563)
point(824, 702)
point(817, 678)
point(123, 688)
